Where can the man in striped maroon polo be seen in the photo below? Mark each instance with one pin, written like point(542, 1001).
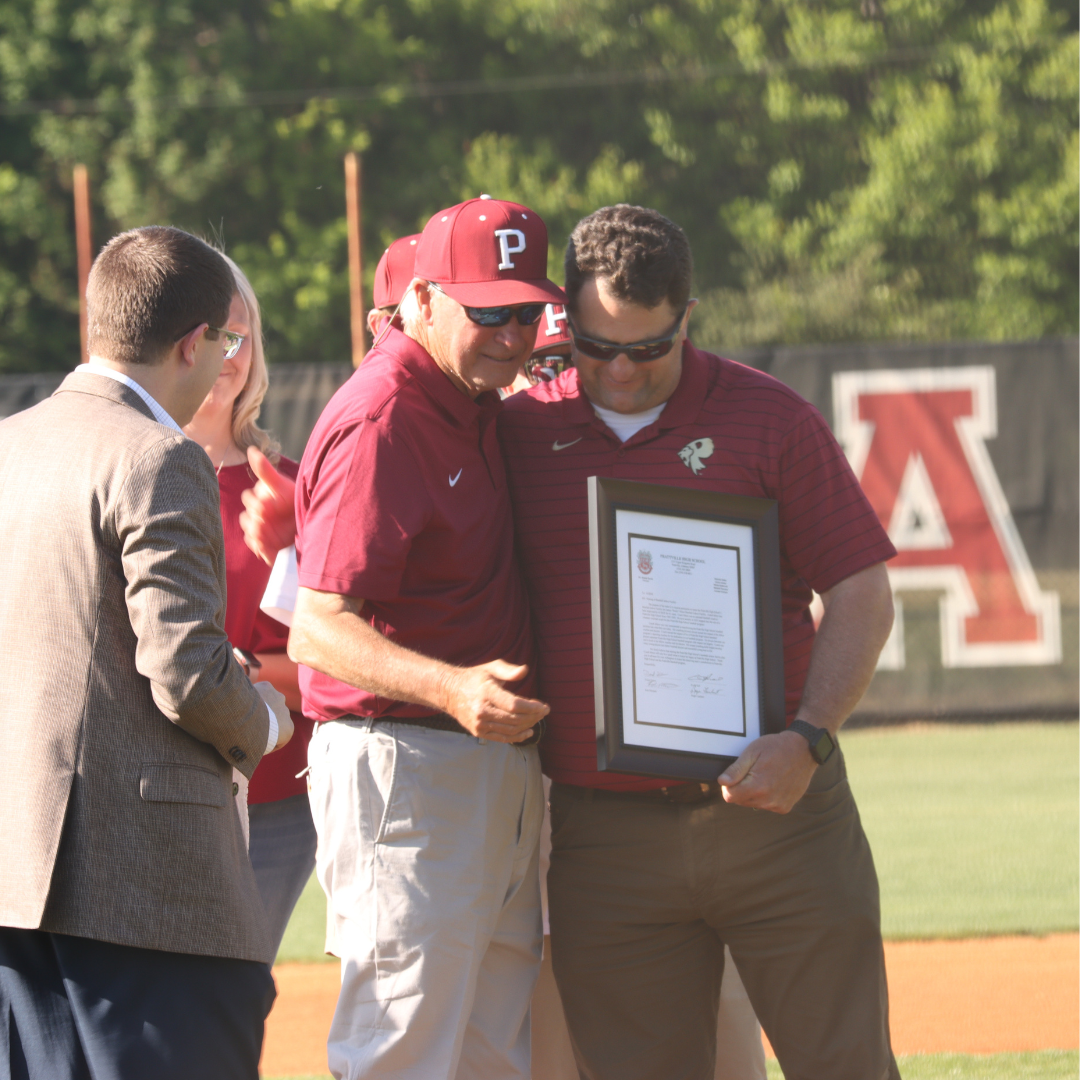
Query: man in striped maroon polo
point(648, 885)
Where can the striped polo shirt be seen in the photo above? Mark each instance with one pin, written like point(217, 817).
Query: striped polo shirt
point(726, 428)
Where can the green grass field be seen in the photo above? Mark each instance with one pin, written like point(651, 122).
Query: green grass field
point(974, 828)
point(1043, 1065)
point(306, 932)
point(975, 832)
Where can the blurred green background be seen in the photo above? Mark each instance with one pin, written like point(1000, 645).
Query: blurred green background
point(846, 170)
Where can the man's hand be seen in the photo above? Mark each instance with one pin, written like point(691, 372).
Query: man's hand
point(772, 773)
point(477, 699)
point(268, 518)
point(330, 634)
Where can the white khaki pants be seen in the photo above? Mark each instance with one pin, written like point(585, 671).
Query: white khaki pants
point(428, 849)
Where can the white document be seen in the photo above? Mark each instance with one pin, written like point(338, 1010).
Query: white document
point(687, 634)
point(688, 650)
point(279, 599)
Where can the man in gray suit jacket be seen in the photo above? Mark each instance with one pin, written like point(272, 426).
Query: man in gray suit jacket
point(132, 939)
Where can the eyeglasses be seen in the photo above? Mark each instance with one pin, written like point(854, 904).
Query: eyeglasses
point(233, 341)
point(526, 314)
point(640, 352)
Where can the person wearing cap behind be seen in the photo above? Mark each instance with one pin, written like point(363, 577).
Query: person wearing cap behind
point(412, 631)
point(392, 277)
point(550, 356)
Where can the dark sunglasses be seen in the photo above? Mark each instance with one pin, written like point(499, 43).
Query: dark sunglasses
point(640, 352)
point(526, 314)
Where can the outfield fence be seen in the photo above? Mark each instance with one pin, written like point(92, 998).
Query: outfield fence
point(968, 453)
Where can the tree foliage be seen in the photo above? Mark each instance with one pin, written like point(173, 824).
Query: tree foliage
point(846, 170)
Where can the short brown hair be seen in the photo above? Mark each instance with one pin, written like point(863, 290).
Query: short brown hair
point(640, 255)
point(148, 287)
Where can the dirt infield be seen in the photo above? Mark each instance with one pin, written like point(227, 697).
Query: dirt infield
point(977, 997)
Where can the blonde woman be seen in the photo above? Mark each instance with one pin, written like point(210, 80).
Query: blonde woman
point(282, 836)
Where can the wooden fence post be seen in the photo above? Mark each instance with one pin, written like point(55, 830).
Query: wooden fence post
point(83, 245)
point(356, 261)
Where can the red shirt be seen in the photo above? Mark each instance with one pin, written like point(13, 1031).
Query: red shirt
point(402, 501)
point(767, 443)
point(249, 628)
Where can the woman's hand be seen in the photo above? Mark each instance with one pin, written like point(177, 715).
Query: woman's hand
point(268, 518)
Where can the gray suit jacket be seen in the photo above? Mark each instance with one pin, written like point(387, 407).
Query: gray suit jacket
point(122, 710)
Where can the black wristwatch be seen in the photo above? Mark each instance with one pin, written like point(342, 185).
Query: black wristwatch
point(821, 742)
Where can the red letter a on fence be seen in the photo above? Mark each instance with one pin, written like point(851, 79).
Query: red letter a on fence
point(916, 440)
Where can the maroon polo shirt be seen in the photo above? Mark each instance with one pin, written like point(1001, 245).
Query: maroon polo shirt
point(402, 501)
point(763, 441)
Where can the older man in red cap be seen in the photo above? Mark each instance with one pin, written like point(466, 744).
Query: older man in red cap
point(412, 628)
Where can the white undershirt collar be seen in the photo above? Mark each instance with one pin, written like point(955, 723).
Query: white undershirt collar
point(627, 425)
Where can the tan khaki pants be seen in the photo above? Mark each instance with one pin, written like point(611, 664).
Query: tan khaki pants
point(428, 846)
point(644, 896)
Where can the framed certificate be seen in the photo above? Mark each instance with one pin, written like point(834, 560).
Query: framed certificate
point(688, 655)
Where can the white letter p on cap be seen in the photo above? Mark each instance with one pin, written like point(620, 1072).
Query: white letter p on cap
point(505, 250)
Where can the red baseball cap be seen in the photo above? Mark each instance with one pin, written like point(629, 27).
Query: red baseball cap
point(487, 252)
point(553, 332)
point(395, 271)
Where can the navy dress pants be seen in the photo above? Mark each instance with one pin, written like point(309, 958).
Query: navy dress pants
point(78, 1009)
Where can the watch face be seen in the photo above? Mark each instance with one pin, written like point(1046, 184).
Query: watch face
point(823, 746)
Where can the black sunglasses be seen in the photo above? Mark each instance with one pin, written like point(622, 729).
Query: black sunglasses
point(526, 314)
point(640, 352)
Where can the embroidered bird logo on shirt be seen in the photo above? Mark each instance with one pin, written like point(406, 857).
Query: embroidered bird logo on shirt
point(693, 454)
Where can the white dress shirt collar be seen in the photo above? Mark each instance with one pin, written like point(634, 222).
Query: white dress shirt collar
point(160, 415)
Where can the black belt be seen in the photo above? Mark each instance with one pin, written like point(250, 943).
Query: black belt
point(437, 722)
point(444, 722)
point(678, 794)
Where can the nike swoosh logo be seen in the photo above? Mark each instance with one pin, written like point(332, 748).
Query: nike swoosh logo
point(556, 445)
point(454, 479)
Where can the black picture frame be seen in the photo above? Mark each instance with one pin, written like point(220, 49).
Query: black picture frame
point(608, 496)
